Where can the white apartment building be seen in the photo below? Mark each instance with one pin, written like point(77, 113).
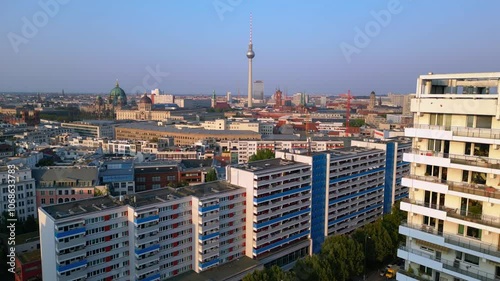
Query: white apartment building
point(94, 128)
point(150, 236)
point(24, 192)
point(453, 225)
point(278, 209)
point(246, 149)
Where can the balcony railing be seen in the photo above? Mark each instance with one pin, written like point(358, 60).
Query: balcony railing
point(454, 265)
point(470, 160)
point(457, 213)
point(469, 243)
point(471, 188)
point(464, 131)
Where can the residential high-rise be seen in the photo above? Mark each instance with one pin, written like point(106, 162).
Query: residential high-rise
point(373, 100)
point(250, 56)
point(258, 90)
point(453, 225)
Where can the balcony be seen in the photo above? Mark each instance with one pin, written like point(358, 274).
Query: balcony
point(453, 239)
point(469, 160)
point(470, 188)
point(407, 276)
point(493, 221)
point(455, 268)
point(462, 131)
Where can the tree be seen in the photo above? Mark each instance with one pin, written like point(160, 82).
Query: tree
point(275, 273)
point(211, 175)
point(45, 162)
point(262, 155)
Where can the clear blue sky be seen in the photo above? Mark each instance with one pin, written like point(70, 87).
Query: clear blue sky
point(86, 45)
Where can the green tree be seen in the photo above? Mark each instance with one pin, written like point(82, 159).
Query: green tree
point(211, 175)
point(45, 162)
point(275, 273)
point(262, 155)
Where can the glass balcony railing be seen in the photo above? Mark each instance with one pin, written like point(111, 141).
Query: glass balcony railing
point(455, 266)
point(464, 131)
point(470, 160)
point(457, 213)
point(457, 240)
point(471, 188)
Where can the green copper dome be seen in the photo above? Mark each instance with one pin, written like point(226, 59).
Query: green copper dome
point(117, 96)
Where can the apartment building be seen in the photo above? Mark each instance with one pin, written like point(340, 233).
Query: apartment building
point(155, 175)
point(245, 149)
point(395, 168)
point(24, 192)
point(278, 209)
point(150, 236)
point(56, 184)
point(453, 225)
point(348, 186)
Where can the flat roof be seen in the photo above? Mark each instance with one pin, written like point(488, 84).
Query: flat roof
point(168, 193)
point(28, 257)
point(263, 166)
point(352, 150)
point(226, 271)
point(173, 129)
point(80, 207)
point(27, 237)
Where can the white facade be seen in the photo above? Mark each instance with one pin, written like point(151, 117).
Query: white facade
point(24, 192)
point(453, 225)
point(248, 148)
point(278, 205)
point(153, 235)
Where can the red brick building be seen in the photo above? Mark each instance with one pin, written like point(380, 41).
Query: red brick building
point(28, 266)
point(155, 175)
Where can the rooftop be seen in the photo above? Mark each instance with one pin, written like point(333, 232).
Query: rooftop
point(140, 199)
point(352, 150)
point(29, 257)
point(172, 129)
point(80, 207)
point(263, 166)
point(164, 194)
point(27, 237)
point(61, 173)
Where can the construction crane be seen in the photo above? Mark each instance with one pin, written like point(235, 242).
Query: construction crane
point(348, 111)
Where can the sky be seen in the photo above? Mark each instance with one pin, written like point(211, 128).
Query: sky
point(195, 47)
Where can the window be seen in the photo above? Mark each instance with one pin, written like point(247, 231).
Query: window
point(474, 232)
point(43, 200)
point(89, 191)
point(425, 270)
point(51, 200)
point(471, 259)
point(42, 192)
point(156, 179)
point(483, 122)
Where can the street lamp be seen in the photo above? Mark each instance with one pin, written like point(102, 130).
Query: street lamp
point(366, 238)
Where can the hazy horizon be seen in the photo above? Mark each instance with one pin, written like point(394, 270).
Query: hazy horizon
point(192, 48)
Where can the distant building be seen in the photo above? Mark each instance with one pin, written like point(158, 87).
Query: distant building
point(258, 90)
point(155, 175)
point(373, 100)
point(145, 112)
point(24, 192)
point(158, 98)
point(190, 103)
point(407, 104)
point(118, 175)
point(92, 128)
point(63, 184)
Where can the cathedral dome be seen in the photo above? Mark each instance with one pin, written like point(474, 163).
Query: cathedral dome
point(117, 96)
point(145, 99)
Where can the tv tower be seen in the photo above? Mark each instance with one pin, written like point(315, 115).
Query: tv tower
point(250, 56)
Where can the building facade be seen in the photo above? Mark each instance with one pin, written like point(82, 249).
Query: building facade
point(93, 129)
point(63, 184)
point(25, 195)
point(453, 225)
point(151, 236)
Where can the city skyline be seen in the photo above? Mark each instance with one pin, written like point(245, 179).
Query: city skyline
point(83, 48)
